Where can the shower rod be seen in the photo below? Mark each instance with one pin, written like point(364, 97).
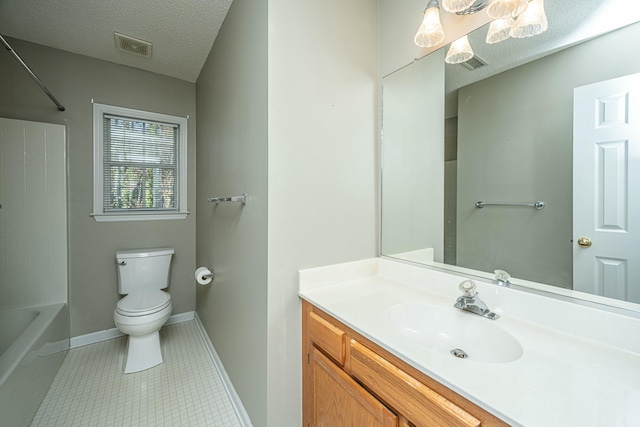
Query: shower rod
point(31, 73)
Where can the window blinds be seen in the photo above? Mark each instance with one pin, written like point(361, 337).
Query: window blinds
point(140, 165)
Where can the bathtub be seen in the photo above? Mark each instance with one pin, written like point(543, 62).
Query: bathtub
point(33, 344)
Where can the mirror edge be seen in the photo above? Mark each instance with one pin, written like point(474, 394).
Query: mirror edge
point(623, 308)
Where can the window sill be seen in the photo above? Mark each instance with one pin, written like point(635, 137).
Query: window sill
point(102, 217)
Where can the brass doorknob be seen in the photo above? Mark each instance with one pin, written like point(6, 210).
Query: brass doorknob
point(585, 242)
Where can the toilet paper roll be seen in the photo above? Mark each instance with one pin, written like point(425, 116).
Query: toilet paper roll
point(204, 276)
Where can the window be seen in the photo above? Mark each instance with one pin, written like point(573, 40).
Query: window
point(139, 165)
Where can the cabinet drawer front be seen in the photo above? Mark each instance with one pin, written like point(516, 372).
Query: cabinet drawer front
point(340, 401)
point(421, 405)
point(328, 337)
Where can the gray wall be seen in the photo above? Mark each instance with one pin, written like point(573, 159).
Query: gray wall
point(291, 116)
point(232, 159)
point(515, 144)
point(75, 80)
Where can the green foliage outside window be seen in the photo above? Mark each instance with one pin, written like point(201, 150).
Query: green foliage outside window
point(140, 165)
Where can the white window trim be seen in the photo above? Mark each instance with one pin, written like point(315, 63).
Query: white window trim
point(98, 165)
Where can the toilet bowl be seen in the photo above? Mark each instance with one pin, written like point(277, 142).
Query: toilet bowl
point(141, 316)
point(142, 274)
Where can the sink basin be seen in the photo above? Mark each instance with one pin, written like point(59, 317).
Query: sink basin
point(450, 331)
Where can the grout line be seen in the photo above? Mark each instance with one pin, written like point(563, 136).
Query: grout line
point(189, 389)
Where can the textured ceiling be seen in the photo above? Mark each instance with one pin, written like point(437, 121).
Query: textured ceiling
point(182, 31)
point(570, 22)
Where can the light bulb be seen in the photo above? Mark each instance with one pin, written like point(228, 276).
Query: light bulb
point(532, 22)
point(459, 51)
point(506, 8)
point(454, 6)
point(499, 30)
point(430, 32)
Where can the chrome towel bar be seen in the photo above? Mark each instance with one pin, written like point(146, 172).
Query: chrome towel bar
point(242, 199)
point(538, 205)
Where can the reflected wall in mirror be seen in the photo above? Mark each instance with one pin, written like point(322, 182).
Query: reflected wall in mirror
point(510, 138)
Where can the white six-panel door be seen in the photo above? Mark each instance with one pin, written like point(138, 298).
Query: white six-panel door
point(606, 188)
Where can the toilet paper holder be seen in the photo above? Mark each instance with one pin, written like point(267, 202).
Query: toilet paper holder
point(205, 275)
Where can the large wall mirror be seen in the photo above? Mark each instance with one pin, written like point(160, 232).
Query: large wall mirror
point(509, 134)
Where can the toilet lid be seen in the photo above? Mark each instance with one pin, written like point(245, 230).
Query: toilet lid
point(140, 303)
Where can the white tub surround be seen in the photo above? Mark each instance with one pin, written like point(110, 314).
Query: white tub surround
point(579, 365)
point(30, 363)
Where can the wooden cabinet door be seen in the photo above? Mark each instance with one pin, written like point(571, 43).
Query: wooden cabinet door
point(339, 401)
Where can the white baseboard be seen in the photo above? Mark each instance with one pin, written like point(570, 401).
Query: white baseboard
point(94, 337)
point(241, 412)
point(108, 334)
point(182, 317)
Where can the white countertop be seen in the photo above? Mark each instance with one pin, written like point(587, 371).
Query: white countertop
point(580, 366)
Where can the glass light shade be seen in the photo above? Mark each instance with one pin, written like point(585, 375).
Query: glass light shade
point(532, 22)
point(430, 32)
point(499, 30)
point(459, 51)
point(506, 8)
point(454, 6)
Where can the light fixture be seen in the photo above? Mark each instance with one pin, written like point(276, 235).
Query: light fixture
point(499, 30)
point(454, 6)
point(459, 51)
point(531, 22)
point(430, 32)
point(512, 18)
point(499, 9)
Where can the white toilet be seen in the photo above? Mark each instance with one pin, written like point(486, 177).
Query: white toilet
point(142, 274)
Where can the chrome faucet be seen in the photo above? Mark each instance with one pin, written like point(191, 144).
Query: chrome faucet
point(470, 301)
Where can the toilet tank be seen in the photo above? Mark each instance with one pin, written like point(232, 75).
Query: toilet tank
point(143, 269)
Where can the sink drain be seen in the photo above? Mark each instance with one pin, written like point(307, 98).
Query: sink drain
point(459, 353)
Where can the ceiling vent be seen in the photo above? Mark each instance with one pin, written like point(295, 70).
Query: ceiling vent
point(132, 45)
point(474, 63)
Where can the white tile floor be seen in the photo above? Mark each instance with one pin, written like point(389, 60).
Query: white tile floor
point(91, 389)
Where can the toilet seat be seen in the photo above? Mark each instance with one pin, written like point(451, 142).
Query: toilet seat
point(142, 303)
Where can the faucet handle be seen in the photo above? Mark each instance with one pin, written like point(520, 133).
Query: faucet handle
point(502, 276)
point(468, 287)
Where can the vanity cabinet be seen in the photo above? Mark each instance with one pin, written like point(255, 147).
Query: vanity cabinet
point(350, 381)
point(340, 401)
